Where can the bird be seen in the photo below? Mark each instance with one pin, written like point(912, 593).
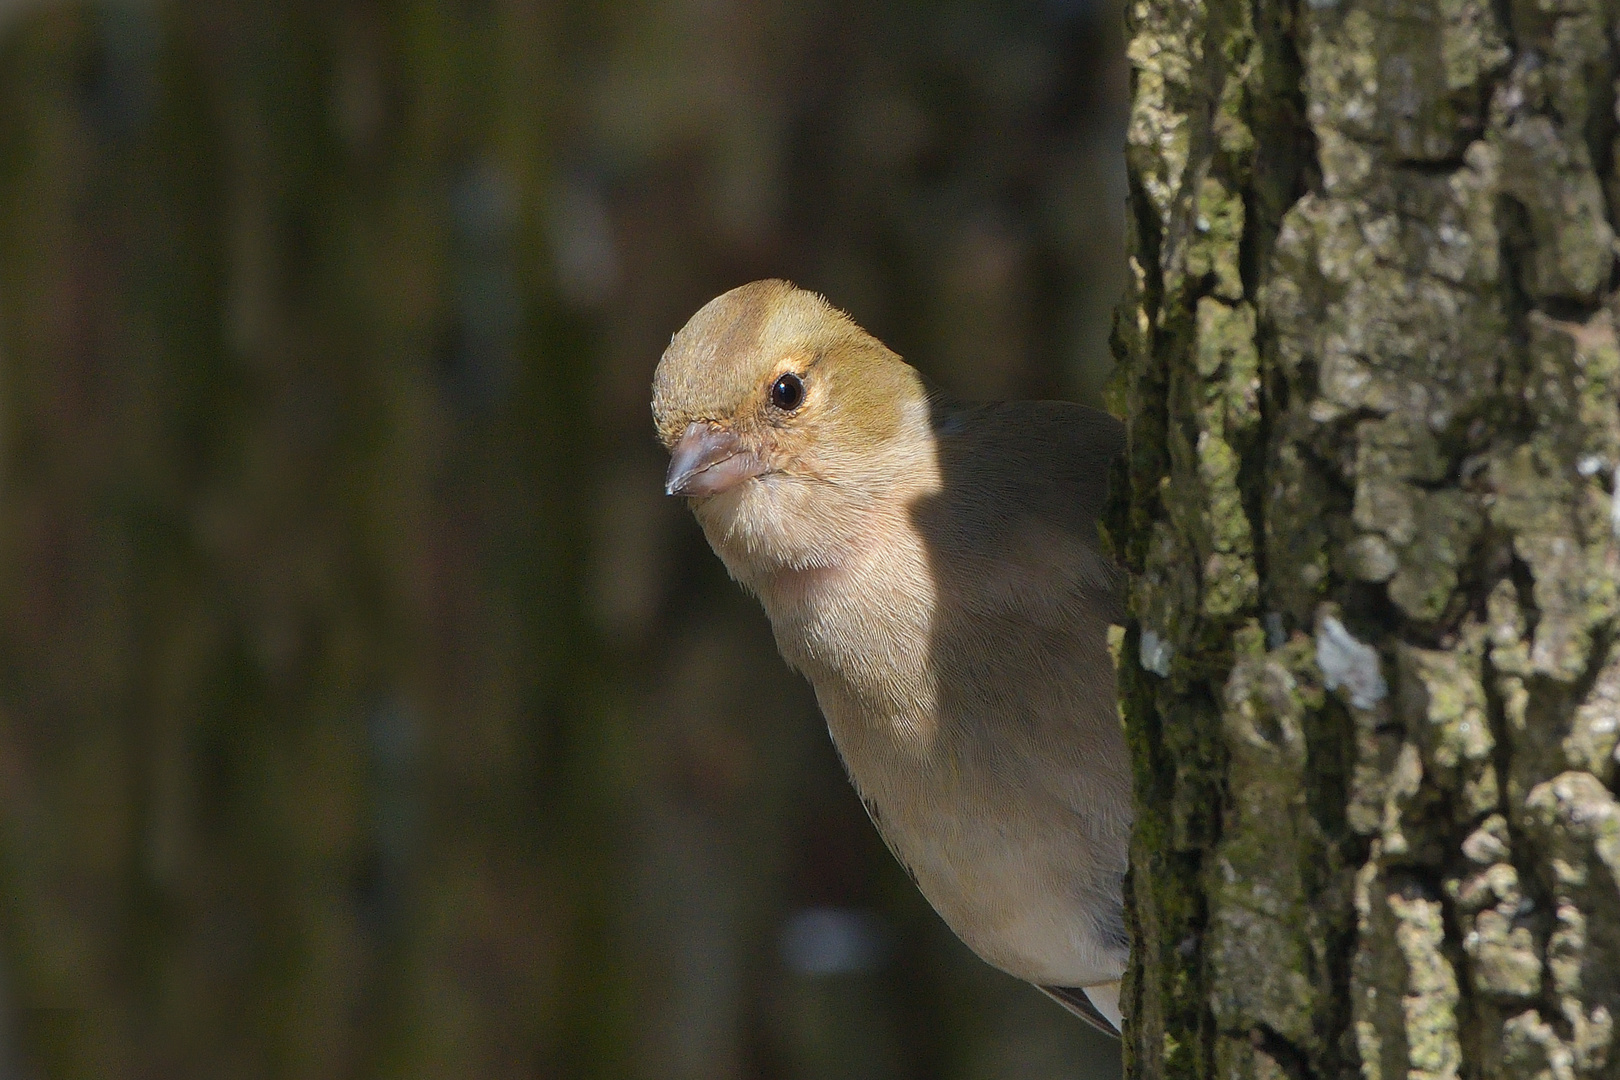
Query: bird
point(936, 570)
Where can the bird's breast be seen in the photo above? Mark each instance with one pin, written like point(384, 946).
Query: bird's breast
point(862, 633)
point(1024, 878)
point(983, 738)
point(986, 810)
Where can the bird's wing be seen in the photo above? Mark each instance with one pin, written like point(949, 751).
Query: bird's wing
point(1075, 999)
point(1014, 525)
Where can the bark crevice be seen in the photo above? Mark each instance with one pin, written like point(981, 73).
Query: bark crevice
point(1425, 476)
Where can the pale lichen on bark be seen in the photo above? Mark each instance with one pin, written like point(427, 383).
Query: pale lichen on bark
point(1372, 372)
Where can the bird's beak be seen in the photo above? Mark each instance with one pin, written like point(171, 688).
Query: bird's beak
point(708, 460)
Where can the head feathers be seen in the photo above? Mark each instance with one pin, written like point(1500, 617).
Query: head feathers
point(720, 365)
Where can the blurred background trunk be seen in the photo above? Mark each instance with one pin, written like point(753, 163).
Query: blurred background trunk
point(365, 708)
point(1374, 387)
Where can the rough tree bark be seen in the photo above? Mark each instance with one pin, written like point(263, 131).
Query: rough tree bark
point(1371, 367)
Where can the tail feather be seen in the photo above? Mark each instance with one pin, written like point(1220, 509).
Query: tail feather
point(1096, 1005)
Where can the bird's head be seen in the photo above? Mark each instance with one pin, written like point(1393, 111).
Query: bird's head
point(786, 424)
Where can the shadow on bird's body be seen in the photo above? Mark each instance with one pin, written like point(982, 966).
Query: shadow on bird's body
point(935, 570)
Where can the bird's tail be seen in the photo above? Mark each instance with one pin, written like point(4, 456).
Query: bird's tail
point(1096, 1005)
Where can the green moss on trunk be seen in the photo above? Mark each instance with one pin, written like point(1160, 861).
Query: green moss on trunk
point(1372, 700)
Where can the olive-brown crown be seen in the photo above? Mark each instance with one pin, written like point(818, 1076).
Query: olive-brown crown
point(720, 366)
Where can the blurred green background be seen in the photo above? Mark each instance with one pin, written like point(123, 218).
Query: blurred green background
point(365, 707)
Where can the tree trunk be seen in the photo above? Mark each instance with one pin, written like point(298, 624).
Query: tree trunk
point(1371, 369)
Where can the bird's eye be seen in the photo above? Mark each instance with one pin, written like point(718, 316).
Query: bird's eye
point(787, 392)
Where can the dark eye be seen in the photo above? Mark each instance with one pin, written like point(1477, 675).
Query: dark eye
point(787, 393)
